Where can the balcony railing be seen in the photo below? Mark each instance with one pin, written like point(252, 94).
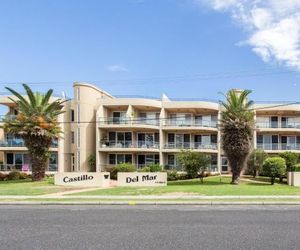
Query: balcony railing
point(178, 167)
point(10, 117)
point(190, 122)
point(190, 145)
point(277, 125)
point(278, 146)
point(12, 143)
point(129, 144)
point(20, 143)
point(24, 167)
point(130, 121)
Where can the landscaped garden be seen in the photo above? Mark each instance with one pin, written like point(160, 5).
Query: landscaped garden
point(214, 185)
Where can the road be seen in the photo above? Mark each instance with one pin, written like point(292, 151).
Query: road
point(149, 227)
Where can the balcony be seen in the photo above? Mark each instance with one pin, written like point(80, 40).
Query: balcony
point(278, 146)
point(129, 121)
point(12, 143)
point(8, 116)
point(190, 123)
point(129, 144)
point(277, 125)
point(190, 145)
point(178, 167)
point(20, 143)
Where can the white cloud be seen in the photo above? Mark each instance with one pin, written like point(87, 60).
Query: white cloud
point(273, 27)
point(116, 68)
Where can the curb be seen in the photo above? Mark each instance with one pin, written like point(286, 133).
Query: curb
point(133, 203)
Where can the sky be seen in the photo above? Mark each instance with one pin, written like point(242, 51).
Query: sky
point(183, 48)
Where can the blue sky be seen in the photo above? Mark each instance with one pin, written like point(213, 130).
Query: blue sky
point(184, 48)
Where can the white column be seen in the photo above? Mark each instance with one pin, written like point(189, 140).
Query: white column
point(219, 144)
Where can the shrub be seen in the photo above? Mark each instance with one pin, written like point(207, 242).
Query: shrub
point(193, 162)
point(144, 169)
point(3, 177)
point(274, 167)
point(172, 175)
point(24, 176)
point(92, 162)
point(123, 167)
point(291, 159)
point(255, 162)
point(296, 168)
point(14, 175)
point(155, 168)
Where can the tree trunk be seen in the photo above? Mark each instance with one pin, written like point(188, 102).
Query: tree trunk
point(272, 180)
point(235, 177)
point(38, 165)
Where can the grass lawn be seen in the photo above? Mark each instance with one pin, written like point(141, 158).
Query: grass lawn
point(27, 187)
point(211, 186)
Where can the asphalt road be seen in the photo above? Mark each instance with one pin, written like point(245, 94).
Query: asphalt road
point(149, 227)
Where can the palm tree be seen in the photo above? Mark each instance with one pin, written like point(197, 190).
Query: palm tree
point(237, 125)
point(36, 123)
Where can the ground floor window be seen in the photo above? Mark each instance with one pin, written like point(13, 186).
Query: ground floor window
point(224, 164)
point(115, 159)
point(145, 160)
point(213, 163)
point(173, 163)
point(17, 161)
point(53, 162)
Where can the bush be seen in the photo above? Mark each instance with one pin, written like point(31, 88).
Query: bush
point(3, 177)
point(274, 167)
point(291, 159)
point(123, 167)
point(173, 175)
point(255, 162)
point(193, 162)
point(155, 168)
point(24, 176)
point(144, 169)
point(296, 168)
point(92, 162)
point(13, 176)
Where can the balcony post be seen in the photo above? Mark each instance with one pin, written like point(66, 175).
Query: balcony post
point(254, 133)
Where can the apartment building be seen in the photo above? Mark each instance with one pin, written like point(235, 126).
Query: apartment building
point(142, 131)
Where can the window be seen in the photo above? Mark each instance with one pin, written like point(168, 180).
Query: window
point(224, 164)
point(72, 115)
point(120, 139)
point(9, 158)
point(53, 161)
point(214, 163)
point(18, 160)
point(115, 159)
point(172, 163)
point(119, 117)
point(144, 160)
point(213, 139)
point(72, 137)
point(274, 122)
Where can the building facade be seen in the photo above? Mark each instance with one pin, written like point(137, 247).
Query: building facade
point(143, 131)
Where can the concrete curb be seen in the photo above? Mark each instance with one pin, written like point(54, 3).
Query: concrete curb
point(133, 203)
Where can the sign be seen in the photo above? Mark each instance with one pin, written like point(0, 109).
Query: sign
point(135, 179)
point(82, 179)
